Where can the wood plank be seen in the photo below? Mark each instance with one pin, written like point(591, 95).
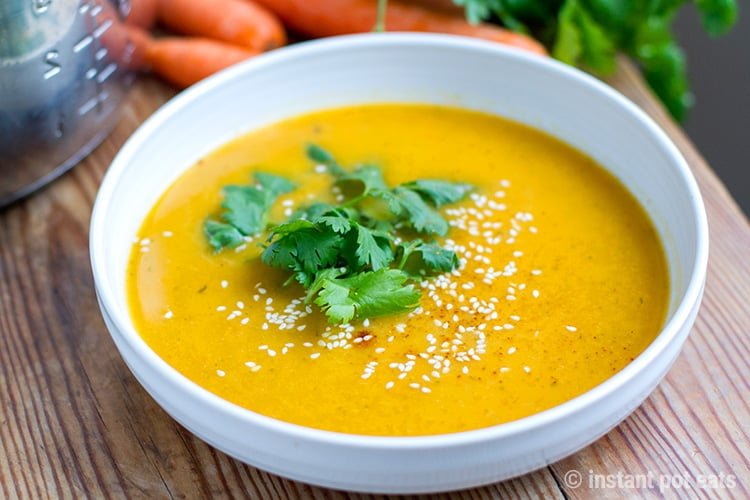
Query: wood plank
point(74, 422)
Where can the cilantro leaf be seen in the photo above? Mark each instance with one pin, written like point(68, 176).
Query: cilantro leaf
point(439, 193)
point(438, 258)
point(291, 227)
point(370, 252)
point(580, 39)
point(343, 254)
point(245, 208)
point(274, 184)
point(367, 295)
point(312, 212)
point(421, 216)
point(301, 246)
point(337, 222)
point(319, 155)
point(718, 15)
point(591, 32)
point(362, 180)
point(478, 10)
point(323, 157)
point(418, 256)
point(222, 235)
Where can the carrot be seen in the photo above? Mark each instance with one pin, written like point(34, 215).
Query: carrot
point(320, 18)
point(239, 22)
point(185, 61)
point(142, 13)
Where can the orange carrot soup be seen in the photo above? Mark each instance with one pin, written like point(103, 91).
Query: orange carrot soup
point(397, 270)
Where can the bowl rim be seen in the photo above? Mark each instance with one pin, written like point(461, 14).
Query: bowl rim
point(286, 55)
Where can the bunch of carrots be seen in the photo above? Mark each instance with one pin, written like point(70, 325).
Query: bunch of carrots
point(211, 35)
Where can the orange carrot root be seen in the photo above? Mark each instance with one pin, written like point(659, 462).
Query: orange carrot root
point(239, 22)
point(185, 61)
point(142, 13)
point(320, 18)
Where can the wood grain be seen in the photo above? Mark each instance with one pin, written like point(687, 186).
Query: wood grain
point(75, 423)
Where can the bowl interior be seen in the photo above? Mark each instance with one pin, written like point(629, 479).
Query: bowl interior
point(399, 68)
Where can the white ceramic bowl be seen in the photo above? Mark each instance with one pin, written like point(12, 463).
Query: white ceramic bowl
point(412, 68)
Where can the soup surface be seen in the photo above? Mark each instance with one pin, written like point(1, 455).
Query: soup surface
point(562, 280)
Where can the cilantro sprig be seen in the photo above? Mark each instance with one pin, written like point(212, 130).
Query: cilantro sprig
point(359, 257)
point(591, 33)
point(245, 210)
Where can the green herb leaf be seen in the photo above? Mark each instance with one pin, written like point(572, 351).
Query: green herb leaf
point(367, 295)
point(439, 193)
point(245, 208)
point(438, 258)
point(581, 39)
point(420, 216)
point(361, 181)
point(302, 247)
point(478, 10)
point(319, 155)
point(338, 223)
point(591, 32)
point(370, 252)
point(323, 157)
point(274, 184)
point(718, 15)
point(344, 254)
point(222, 235)
point(312, 212)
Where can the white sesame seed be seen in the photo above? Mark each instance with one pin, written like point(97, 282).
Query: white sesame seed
point(504, 369)
point(315, 355)
point(167, 234)
point(465, 370)
point(389, 384)
point(527, 369)
point(245, 321)
point(220, 373)
point(168, 315)
point(536, 272)
point(535, 293)
point(271, 352)
point(224, 283)
point(511, 350)
point(571, 328)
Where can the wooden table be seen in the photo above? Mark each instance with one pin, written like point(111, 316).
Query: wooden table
point(74, 421)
